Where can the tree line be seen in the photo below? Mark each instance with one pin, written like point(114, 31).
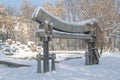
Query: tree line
point(107, 12)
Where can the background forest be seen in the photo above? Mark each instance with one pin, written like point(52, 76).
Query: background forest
point(17, 24)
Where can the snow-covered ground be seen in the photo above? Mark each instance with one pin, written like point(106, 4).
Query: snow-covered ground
point(107, 69)
point(74, 69)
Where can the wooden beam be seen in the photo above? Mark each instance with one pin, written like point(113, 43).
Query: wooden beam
point(58, 34)
point(42, 16)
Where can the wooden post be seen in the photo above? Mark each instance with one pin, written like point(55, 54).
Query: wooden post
point(39, 63)
point(93, 52)
point(86, 58)
point(53, 62)
point(96, 56)
point(92, 56)
point(46, 56)
point(90, 53)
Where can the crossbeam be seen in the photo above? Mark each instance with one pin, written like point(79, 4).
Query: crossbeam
point(65, 35)
point(42, 16)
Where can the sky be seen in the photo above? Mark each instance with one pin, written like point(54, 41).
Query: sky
point(17, 3)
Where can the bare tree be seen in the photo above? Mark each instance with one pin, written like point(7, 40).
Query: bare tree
point(12, 11)
point(6, 21)
point(106, 11)
point(55, 8)
point(26, 9)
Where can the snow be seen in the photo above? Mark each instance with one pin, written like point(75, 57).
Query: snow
point(74, 69)
point(24, 55)
point(107, 69)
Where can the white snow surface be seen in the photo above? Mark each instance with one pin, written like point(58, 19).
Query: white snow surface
point(107, 69)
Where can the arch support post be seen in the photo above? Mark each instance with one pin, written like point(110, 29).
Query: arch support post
point(92, 55)
point(46, 55)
